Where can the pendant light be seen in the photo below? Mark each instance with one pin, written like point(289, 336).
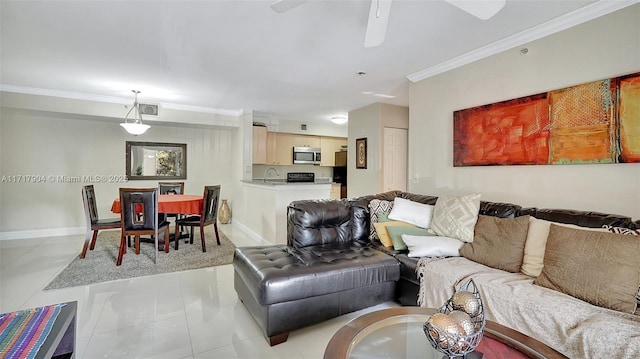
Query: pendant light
point(136, 127)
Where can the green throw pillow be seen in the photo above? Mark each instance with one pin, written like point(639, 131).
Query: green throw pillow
point(396, 232)
point(383, 217)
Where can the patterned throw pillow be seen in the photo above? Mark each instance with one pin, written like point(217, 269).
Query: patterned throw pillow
point(456, 217)
point(376, 207)
point(622, 230)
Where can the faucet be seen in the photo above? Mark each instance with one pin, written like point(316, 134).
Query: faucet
point(266, 172)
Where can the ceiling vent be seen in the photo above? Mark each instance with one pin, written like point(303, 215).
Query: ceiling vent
point(148, 110)
point(303, 127)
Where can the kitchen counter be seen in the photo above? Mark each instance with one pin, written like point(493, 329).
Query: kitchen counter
point(265, 216)
point(282, 185)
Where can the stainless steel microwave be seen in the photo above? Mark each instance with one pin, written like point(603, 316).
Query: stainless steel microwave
point(306, 156)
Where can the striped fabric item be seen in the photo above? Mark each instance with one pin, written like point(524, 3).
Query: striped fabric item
point(22, 333)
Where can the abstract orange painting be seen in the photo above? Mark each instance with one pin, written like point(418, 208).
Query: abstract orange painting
point(512, 132)
point(629, 117)
point(596, 122)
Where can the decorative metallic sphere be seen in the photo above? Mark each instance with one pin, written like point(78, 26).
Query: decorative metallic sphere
point(464, 320)
point(467, 302)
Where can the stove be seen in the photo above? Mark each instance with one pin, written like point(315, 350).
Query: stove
point(301, 177)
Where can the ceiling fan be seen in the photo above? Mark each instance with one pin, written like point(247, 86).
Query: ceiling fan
point(380, 9)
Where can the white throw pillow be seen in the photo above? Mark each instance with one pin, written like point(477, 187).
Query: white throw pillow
point(536, 242)
point(456, 217)
point(416, 213)
point(432, 246)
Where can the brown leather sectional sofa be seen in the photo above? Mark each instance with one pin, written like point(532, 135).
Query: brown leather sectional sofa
point(329, 267)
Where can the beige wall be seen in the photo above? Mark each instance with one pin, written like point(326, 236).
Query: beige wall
point(602, 48)
point(46, 143)
point(369, 122)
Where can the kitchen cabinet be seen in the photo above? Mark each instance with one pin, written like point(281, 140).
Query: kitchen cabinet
point(259, 146)
point(329, 147)
point(284, 149)
point(306, 141)
point(335, 191)
point(272, 140)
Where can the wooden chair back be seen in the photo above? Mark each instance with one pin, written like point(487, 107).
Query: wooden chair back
point(90, 207)
point(210, 201)
point(171, 187)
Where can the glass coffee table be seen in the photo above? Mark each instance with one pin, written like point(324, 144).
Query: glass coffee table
point(397, 333)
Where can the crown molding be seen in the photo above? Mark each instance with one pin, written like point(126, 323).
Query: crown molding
point(576, 17)
point(112, 99)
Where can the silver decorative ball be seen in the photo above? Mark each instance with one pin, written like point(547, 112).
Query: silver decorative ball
point(464, 320)
point(466, 302)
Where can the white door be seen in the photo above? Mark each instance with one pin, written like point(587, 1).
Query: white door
point(395, 159)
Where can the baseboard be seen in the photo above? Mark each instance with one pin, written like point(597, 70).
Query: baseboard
point(37, 233)
point(255, 236)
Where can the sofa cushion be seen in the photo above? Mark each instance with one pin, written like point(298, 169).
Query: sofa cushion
point(376, 207)
point(432, 246)
point(396, 232)
point(598, 267)
point(318, 222)
point(498, 242)
point(383, 234)
point(416, 213)
point(536, 242)
point(456, 216)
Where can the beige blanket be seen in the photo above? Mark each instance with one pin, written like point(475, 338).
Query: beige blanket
point(573, 327)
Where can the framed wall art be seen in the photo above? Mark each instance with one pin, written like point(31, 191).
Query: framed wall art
point(361, 153)
point(595, 122)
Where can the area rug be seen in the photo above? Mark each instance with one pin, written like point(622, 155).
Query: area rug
point(99, 265)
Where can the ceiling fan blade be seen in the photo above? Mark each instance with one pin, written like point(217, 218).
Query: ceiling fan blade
point(482, 9)
point(377, 24)
point(281, 6)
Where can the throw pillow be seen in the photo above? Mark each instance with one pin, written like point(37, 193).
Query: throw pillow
point(456, 217)
point(498, 242)
point(536, 242)
point(377, 206)
point(396, 232)
point(432, 246)
point(381, 230)
point(598, 267)
point(411, 212)
point(622, 230)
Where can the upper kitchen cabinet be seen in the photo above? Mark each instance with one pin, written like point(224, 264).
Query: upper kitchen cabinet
point(306, 141)
point(284, 149)
point(259, 146)
point(329, 146)
point(272, 140)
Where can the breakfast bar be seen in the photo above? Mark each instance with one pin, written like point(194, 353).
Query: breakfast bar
point(268, 220)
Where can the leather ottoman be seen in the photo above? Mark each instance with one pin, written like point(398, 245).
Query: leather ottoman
point(287, 288)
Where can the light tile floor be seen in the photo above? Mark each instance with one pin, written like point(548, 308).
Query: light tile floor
point(191, 314)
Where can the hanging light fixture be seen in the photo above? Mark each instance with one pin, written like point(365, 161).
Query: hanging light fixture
point(136, 127)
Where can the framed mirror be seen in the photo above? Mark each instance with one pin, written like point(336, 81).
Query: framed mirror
point(156, 160)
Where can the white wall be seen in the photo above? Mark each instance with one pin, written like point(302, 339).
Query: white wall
point(46, 143)
point(368, 122)
point(602, 48)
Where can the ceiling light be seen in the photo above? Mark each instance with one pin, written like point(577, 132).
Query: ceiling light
point(339, 120)
point(136, 127)
point(383, 95)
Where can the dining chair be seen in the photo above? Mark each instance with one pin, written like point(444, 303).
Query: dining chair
point(208, 215)
point(139, 216)
point(171, 187)
point(94, 223)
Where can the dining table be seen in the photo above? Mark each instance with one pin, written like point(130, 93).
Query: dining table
point(185, 204)
point(172, 203)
